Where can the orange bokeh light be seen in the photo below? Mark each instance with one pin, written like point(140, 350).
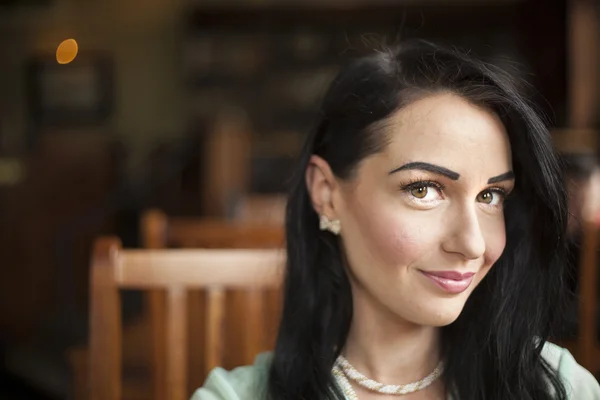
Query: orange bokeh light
point(67, 51)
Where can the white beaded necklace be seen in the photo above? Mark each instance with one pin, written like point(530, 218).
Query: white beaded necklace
point(343, 370)
point(344, 384)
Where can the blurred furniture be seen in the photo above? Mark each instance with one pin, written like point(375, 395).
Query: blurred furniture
point(261, 209)
point(288, 51)
point(580, 142)
point(583, 62)
point(578, 150)
point(575, 142)
point(159, 231)
point(145, 351)
point(176, 271)
point(226, 163)
point(587, 346)
point(57, 199)
point(50, 217)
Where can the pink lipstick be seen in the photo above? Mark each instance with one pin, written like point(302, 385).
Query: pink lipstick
point(450, 281)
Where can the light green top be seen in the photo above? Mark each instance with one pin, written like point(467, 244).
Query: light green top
point(243, 383)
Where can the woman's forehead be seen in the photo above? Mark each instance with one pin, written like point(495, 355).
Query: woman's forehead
point(447, 131)
point(446, 127)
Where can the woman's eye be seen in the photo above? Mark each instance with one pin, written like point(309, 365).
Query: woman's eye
point(485, 197)
point(490, 197)
point(424, 191)
point(420, 192)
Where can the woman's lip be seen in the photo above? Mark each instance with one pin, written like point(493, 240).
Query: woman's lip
point(453, 275)
point(453, 286)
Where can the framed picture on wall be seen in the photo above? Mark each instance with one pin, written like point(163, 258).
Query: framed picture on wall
point(70, 95)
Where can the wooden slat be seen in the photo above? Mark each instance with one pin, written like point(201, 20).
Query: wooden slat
point(156, 301)
point(177, 339)
point(105, 324)
point(588, 347)
point(153, 231)
point(197, 334)
point(181, 267)
point(215, 318)
point(255, 323)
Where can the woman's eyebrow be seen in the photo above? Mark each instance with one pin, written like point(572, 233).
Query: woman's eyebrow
point(436, 169)
point(423, 166)
point(507, 176)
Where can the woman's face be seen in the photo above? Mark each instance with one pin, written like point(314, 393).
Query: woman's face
point(423, 222)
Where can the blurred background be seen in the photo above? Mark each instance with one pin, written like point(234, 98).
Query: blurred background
point(110, 108)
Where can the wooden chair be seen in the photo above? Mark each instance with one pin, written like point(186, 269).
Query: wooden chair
point(587, 347)
point(176, 271)
point(578, 147)
point(145, 338)
point(158, 232)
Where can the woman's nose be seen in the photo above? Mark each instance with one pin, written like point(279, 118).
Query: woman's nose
point(465, 236)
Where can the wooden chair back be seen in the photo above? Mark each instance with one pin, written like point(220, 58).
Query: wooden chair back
point(587, 346)
point(175, 271)
point(158, 232)
point(261, 209)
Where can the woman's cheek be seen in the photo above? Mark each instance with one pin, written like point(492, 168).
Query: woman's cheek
point(495, 240)
point(396, 240)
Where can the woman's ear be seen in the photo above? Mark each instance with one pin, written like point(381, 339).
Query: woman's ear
point(321, 183)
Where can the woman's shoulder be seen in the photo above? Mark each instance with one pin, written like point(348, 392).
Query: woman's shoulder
point(238, 384)
point(579, 382)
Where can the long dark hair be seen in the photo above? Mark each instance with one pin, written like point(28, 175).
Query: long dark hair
point(493, 350)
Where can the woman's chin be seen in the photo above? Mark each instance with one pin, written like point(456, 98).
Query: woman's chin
point(437, 316)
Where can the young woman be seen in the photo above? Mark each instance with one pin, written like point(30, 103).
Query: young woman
point(425, 241)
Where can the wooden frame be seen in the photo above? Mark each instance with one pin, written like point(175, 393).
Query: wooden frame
point(55, 90)
point(175, 271)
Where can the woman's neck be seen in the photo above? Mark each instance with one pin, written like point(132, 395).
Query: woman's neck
point(386, 348)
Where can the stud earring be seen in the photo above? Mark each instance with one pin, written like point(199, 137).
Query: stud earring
point(325, 224)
